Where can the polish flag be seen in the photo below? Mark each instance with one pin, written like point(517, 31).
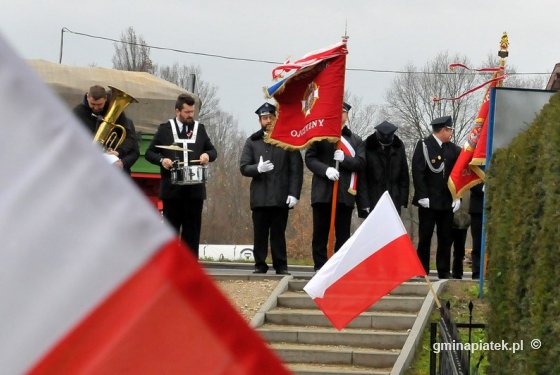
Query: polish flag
point(377, 258)
point(91, 280)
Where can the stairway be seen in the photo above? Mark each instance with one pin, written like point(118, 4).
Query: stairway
point(306, 341)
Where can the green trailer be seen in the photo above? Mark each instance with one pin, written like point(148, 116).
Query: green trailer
point(145, 174)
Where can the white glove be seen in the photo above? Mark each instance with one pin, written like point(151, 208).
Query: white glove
point(424, 202)
point(483, 185)
point(264, 166)
point(456, 205)
point(332, 174)
point(291, 201)
point(339, 155)
point(111, 158)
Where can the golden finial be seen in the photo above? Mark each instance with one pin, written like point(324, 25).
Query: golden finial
point(504, 45)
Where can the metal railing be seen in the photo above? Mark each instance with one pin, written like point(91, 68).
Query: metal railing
point(454, 359)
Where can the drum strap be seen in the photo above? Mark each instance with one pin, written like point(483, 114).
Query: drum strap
point(182, 141)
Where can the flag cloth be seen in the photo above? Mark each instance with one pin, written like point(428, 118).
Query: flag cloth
point(468, 169)
point(91, 280)
point(309, 101)
point(377, 258)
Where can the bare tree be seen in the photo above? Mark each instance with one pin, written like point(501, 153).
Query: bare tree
point(362, 118)
point(132, 53)
point(227, 207)
point(299, 233)
point(410, 100)
point(182, 76)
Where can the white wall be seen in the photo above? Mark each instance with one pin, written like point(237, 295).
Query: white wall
point(226, 252)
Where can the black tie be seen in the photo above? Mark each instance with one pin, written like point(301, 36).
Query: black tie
point(183, 133)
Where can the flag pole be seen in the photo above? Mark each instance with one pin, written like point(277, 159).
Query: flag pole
point(502, 53)
point(330, 249)
point(438, 304)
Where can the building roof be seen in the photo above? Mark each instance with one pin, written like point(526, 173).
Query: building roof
point(554, 81)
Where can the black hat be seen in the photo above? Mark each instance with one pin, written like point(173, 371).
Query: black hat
point(442, 122)
point(266, 109)
point(346, 107)
point(386, 128)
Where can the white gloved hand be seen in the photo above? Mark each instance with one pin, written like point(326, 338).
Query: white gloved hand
point(332, 174)
point(291, 201)
point(111, 158)
point(339, 155)
point(264, 166)
point(483, 185)
point(424, 202)
point(456, 205)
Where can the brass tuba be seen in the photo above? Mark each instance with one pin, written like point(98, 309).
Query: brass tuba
point(107, 135)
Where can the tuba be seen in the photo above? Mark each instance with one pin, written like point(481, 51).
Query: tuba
point(107, 134)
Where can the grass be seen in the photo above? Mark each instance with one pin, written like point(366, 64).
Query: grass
point(459, 294)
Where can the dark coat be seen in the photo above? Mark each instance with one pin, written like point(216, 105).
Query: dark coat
point(319, 157)
point(428, 184)
point(164, 136)
point(128, 150)
point(386, 170)
point(271, 189)
point(477, 200)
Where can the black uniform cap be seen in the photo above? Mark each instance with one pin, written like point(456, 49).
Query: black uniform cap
point(386, 128)
point(346, 107)
point(266, 109)
point(442, 122)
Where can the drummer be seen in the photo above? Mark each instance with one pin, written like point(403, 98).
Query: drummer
point(182, 204)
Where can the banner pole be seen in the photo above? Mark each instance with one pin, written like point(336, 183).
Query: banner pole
point(330, 250)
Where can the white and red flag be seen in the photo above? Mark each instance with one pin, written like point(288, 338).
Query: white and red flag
point(377, 258)
point(91, 280)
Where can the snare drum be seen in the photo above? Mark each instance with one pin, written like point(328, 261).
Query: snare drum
point(189, 175)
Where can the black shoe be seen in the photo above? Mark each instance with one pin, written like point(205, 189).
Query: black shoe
point(458, 277)
point(444, 276)
point(282, 272)
point(475, 276)
point(258, 270)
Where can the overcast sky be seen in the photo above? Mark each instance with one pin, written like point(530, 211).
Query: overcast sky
point(384, 35)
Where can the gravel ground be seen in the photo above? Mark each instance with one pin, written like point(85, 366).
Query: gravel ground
point(247, 295)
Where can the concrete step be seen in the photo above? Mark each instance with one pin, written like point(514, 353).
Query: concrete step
point(300, 300)
point(408, 288)
point(322, 369)
point(330, 336)
point(315, 317)
point(339, 354)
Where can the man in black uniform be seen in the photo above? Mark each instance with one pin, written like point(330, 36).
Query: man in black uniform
point(182, 204)
point(320, 159)
point(475, 210)
point(91, 112)
point(432, 162)
point(277, 176)
point(386, 170)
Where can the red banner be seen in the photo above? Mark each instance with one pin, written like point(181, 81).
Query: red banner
point(310, 100)
point(467, 171)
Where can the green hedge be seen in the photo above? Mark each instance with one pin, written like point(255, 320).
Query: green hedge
point(523, 244)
